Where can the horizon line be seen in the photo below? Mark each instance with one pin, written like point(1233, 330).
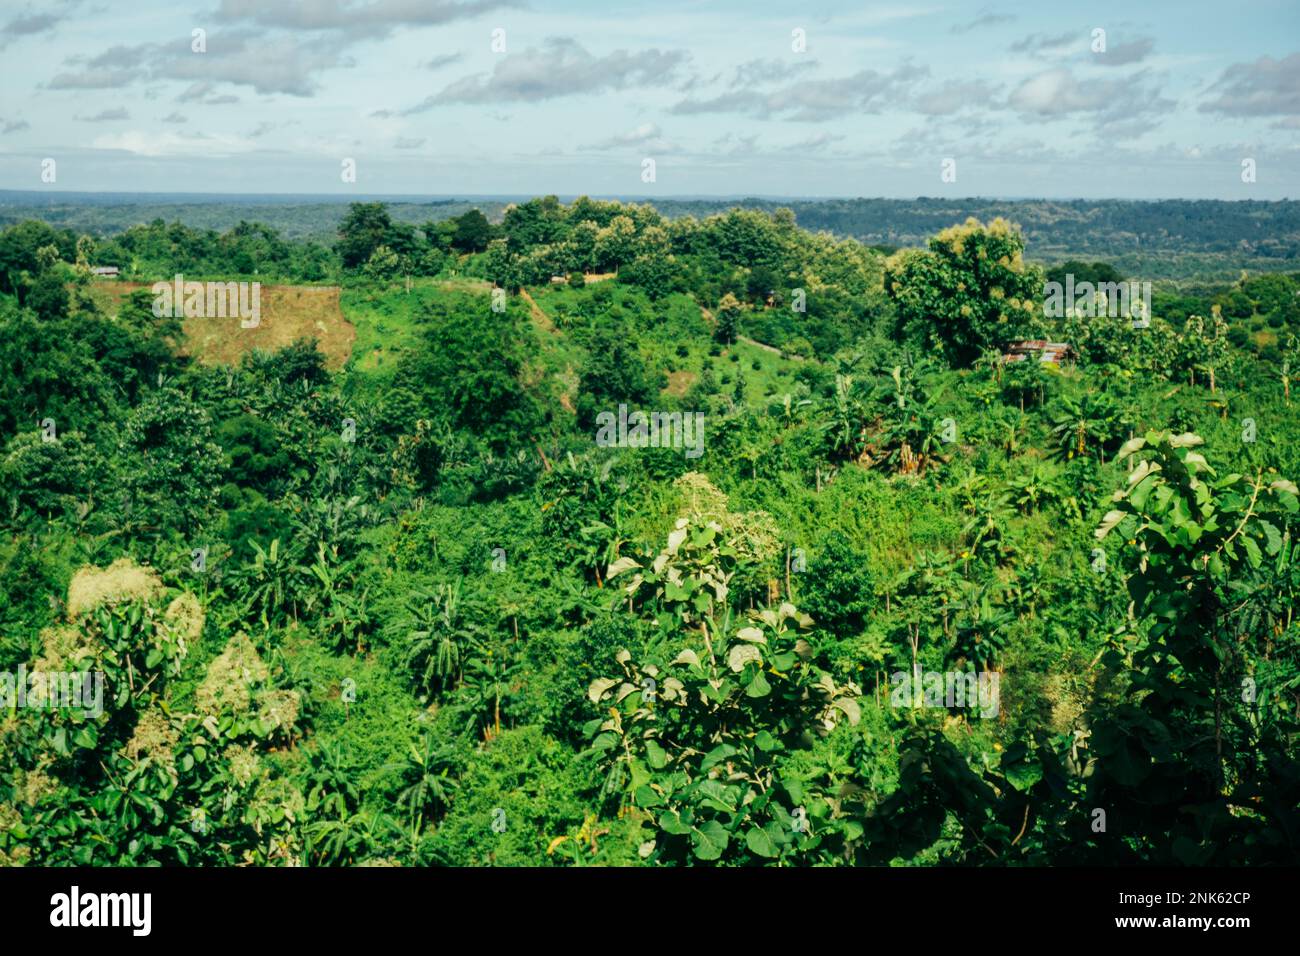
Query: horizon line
point(630, 197)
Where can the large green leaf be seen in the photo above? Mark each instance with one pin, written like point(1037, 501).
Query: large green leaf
point(760, 843)
point(655, 754)
point(710, 840)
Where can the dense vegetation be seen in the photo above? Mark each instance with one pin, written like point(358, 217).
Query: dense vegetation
point(412, 613)
point(1176, 239)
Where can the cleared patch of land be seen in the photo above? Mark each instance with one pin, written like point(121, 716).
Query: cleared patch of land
point(288, 313)
point(680, 382)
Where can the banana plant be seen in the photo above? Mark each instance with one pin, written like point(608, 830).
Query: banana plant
point(845, 420)
point(271, 583)
point(910, 435)
point(986, 529)
point(490, 678)
point(429, 782)
point(437, 636)
point(1087, 426)
point(981, 630)
point(1033, 491)
point(604, 540)
point(341, 613)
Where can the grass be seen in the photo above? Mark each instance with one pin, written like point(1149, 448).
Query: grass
point(386, 318)
point(371, 327)
point(288, 313)
point(664, 329)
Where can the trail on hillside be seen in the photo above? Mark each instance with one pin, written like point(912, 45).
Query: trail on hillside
point(540, 318)
point(708, 318)
point(768, 348)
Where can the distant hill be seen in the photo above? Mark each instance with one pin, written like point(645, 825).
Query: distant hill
point(1166, 239)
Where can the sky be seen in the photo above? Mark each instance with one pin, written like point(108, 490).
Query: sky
point(1054, 99)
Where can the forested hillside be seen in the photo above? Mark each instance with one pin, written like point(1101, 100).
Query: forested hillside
point(1176, 239)
point(609, 538)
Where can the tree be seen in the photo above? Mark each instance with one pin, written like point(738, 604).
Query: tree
point(363, 230)
point(839, 588)
point(53, 371)
point(497, 265)
point(763, 282)
point(383, 263)
point(50, 477)
point(1204, 345)
point(616, 244)
point(729, 312)
point(657, 275)
point(48, 296)
point(534, 223)
point(171, 466)
point(1180, 750)
point(697, 735)
point(473, 231)
point(969, 291)
point(85, 250)
point(18, 247)
point(613, 374)
point(469, 373)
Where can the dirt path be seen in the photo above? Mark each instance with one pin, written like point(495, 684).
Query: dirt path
point(767, 348)
point(540, 318)
point(708, 318)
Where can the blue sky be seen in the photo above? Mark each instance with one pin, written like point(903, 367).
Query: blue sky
point(714, 93)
